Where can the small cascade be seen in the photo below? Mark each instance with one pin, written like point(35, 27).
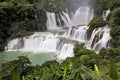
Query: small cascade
point(99, 39)
point(15, 44)
point(82, 16)
point(105, 13)
point(66, 51)
point(51, 21)
point(41, 43)
point(66, 18)
point(77, 33)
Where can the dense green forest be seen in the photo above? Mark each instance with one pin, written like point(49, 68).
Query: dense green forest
point(23, 17)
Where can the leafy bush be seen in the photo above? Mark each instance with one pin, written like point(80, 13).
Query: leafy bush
point(114, 23)
point(14, 69)
point(114, 19)
point(115, 33)
point(79, 50)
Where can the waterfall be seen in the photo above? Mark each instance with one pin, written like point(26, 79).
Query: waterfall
point(105, 13)
point(66, 51)
point(77, 33)
point(63, 45)
point(99, 39)
point(42, 42)
point(82, 16)
point(15, 44)
point(36, 42)
point(66, 18)
point(51, 21)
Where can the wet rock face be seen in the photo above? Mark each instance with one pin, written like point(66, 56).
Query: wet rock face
point(64, 40)
point(97, 37)
point(61, 33)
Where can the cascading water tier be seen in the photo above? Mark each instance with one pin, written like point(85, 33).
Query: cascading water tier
point(82, 16)
point(99, 39)
point(78, 33)
point(43, 42)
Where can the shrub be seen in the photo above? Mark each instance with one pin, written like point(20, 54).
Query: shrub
point(79, 50)
point(114, 19)
point(115, 33)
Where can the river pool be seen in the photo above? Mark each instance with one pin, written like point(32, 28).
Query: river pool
point(35, 58)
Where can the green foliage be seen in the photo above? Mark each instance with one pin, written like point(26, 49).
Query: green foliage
point(79, 50)
point(113, 71)
point(70, 69)
point(84, 58)
point(114, 4)
point(115, 33)
point(18, 18)
point(49, 63)
point(87, 57)
point(110, 55)
point(97, 22)
point(54, 6)
point(15, 74)
point(13, 69)
point(97, 72)
point(114, 19)
point(101, 5)
point(114, 23)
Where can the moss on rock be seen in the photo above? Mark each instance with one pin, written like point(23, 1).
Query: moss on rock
point(96, 22)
